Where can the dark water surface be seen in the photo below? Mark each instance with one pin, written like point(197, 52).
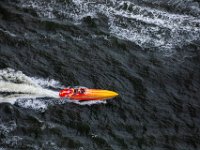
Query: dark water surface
point(148, 51)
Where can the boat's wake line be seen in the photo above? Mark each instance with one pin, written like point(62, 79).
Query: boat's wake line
point(10, 91)
point(146, 26)
point(30, 92)
point(16, 85)
point(42, 103)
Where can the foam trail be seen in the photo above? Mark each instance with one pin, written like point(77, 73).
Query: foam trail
point(26, 89)
point(30, 92)
point(16, 85)
point(87, 102)
point(150, 27)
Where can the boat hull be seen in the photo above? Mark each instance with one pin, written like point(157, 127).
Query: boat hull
point(88, 94)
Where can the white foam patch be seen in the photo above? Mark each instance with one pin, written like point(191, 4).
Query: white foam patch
point(27, 89)
point(47, 83)
point(32, 103)
point(41, 104)
point(16, 85)
point(12, 76)
point(145, 26)
point(8, 32)
point(92, 102)
point(149, 27)
point(43, 9)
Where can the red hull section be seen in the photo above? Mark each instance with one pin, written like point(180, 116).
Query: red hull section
point(85, 94)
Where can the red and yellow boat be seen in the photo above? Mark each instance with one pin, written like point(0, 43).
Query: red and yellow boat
point(85, 94)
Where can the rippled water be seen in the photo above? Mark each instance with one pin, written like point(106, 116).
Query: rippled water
point(147, 51)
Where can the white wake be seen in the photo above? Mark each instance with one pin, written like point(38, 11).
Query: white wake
point(31, 92)
point(16, 85)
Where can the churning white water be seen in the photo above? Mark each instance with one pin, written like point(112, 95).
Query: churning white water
point(31, 92)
